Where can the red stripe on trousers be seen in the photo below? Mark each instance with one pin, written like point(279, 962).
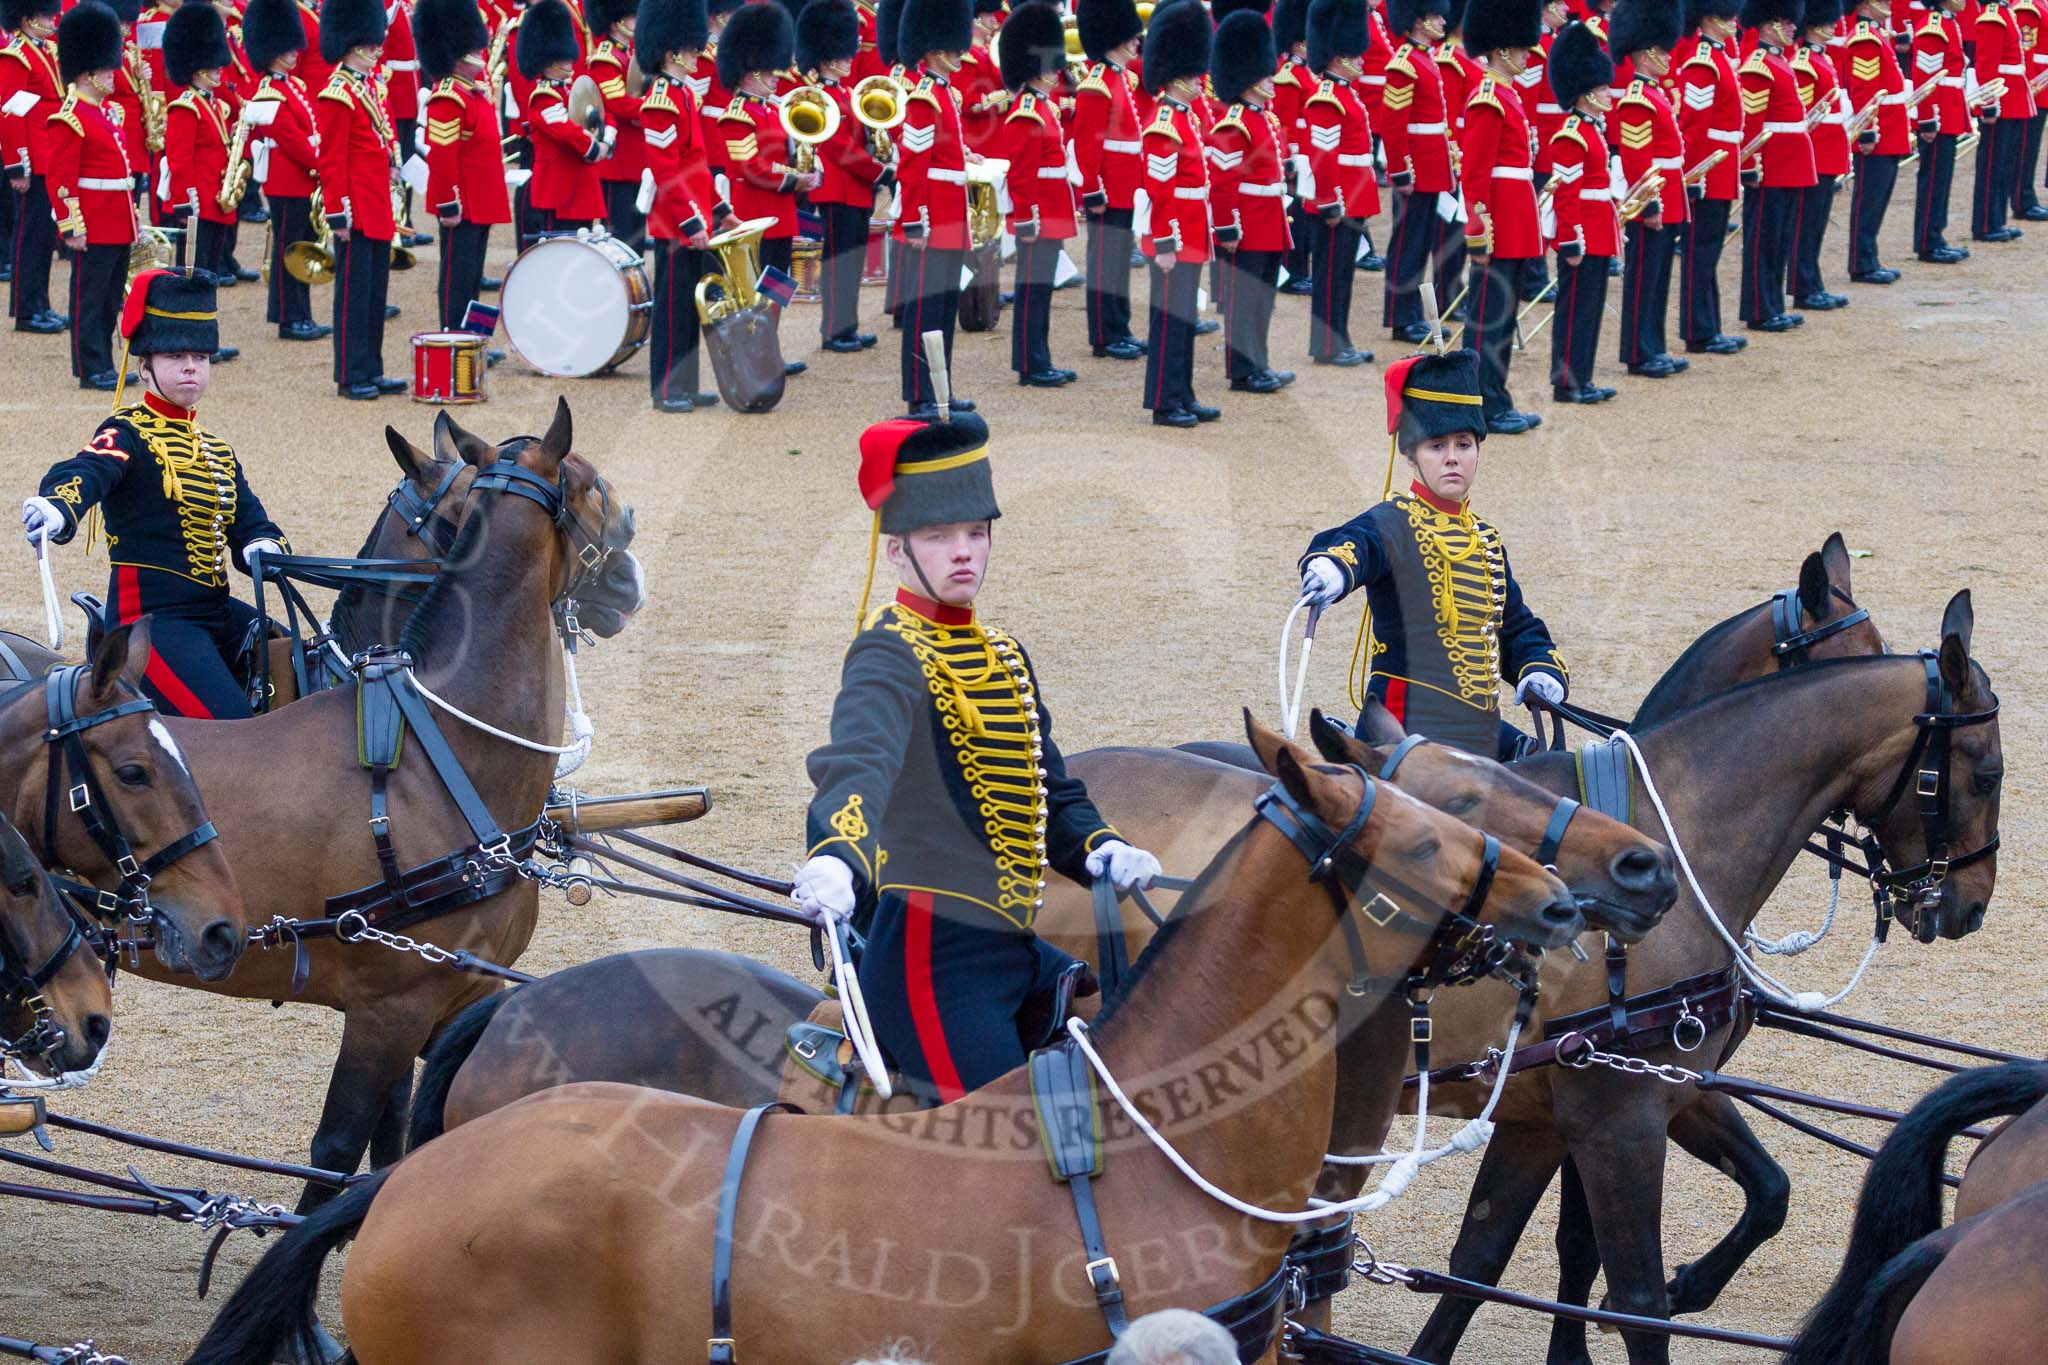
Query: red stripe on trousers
point(1397, 699)
point(184, 701)
point(924, 1003)
point(127, 595)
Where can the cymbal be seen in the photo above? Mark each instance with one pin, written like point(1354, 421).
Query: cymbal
point(586, 104)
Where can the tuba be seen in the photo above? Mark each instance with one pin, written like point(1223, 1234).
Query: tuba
point(739, 325)
point(152, 249)
point(810, 117)
point(981, 301)
point(879, 103)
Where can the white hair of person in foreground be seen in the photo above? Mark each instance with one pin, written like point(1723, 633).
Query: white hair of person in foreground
point(902, 1351)
point(1174, 1336)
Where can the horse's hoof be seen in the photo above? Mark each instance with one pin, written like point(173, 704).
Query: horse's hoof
point(1684, 1297)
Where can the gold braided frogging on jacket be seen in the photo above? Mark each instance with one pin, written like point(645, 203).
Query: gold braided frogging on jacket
point(199, 480)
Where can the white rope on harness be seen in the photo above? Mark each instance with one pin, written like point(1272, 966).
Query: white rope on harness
point(1806, 1002)
point(1392, 1185)
point(1475, 1133)
point(581, 731)
point(66, 1080)
point(492, 730)
point(1290, 705)
point(1799, 940)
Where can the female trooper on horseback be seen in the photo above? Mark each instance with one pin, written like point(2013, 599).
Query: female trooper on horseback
point(1447, 619)
point(176, 502)
point(941, 797)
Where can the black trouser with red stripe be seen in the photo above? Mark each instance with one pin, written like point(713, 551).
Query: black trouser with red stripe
point(209, 245)
point(291, 222)
point(1031, 319)
point(1249, 278)
point(842, 259)
point(1998, 158)
point(623, 218)
point(1491, 297)
point(931, 302)
point(97, 274)
point(1766, 236)
point(1334, 249)
point(1408, 254)
point(1931, 193)
point(1809, 229)
point(1575, 330)
point(462, 270)
point(192, 634)
point(2026, 190)
point(1699, 275)
point(1170, 361)
point(35, 246)
point(672, 358)
point(1109, 278)
point(1645, 291)
point(1875, 177)
point(362, 278)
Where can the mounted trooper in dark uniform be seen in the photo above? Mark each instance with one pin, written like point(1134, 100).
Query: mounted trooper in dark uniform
point(178, 506)
point(941, 798)
point(1448, 621)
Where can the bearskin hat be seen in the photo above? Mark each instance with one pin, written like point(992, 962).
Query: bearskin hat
point(1454, 16)
point(127, 11)
point(1757, 13)
point(13, 12)
point(445, 31)
point(1177, 43)
point(888, 23)
point(271, 28)
point(982, 7)
point(667, 26)
point(1105, 25)
point(1638, 24)
point(759, 38)
point(195, 39)
point(826, 31)
point(349, 24)
point(1403, 15)
point(1491, 25)
point(1219, 10)
point(88, 39)
point(1422, 391)
point(1697, 10)
point(1336, 29)
point(929, 26)
point(1290, 24)
point(1577, 65)
point(602, 14)
point(1241, 56)
point(1033, 42)
point(1822, 13)
point(547, 34)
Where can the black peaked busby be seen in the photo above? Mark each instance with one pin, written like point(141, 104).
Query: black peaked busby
point(1635, 25)
point(1757, 13)
point(445, 31)
point(195, 39)
point(931, 26)
point(1435, 395)
point(349, 24)
point(1336, 29)
point(1105, 25)
point(1698, 10)
point(1403, 15)
point(1491, 25)
point(1034, 42)
point(1454, 16)
point(170, 310)
point(271, 28)
point(1290, 24)
point(1219, 10)
point(547, 34)
point(1578, 65)
point(1241, 56)
point(759, 38)
point(908, 498)
point(1177, 43)
point(14, 12)
point(888, 27)
point(722, 8)
point(669, 26)
point(88, 39)
point(792, 8)
point(602, 14)
point(827, 31)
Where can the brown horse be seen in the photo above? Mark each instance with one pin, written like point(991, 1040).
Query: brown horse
point(574, 1225)
point(1911, 1292)
point(292, 798)
point(56, 1004)
point(114, 785)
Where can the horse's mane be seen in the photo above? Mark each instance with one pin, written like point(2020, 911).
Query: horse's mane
point(426, 628)
point(1651, 712)
point(1794, 681)
point(1191, 902)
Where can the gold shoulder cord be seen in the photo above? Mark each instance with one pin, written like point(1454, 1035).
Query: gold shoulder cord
point(199, 480)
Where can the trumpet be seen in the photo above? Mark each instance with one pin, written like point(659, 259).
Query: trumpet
point(810, 117)
point(1643, 196)
point(739, 267)
point(879, 104)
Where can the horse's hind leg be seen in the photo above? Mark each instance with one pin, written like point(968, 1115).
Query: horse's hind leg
point(1513, 1174)
point(1578, 1263)
point(1714, 1130)
point(1620, 1161)
point(378, 1045)
point(387, 1140)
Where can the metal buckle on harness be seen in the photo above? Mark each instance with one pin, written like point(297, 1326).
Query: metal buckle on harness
point(712, 1346)
point(1421, 1029)
point(1379, 898)
point(1928, 783)
point(129, 869)
point(1937, 872)
point(1105, 1263)
point(375, 831)
point(1575, 1050)
point(81, 797)
point(107, 904)
point(349, 925)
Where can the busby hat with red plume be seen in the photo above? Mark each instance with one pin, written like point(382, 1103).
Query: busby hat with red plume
point(1433, 395)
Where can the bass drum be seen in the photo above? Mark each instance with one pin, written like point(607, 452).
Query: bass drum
point(577, 306)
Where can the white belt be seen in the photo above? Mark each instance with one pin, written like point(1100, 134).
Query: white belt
point(1796, 126)
point(1549, 109)
point(2012, 68)
point(1372, 80)
point(1842, 119)
point(1197, 192)
point(1732, 136)
point(1953, 82)
point(1359, 159)
point(1897, 97)
point(1052, 172)
point(1423, 129)
point(1598, 196)
point(1127, 148)
point(1275, 190)
point(1667, 163)
point(94, 182)
point(714, 110)
point(401, 66)
point(949, 177)
point(1513, 173)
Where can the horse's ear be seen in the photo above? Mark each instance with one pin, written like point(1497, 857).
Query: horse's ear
point(1265, 743)
point(1834, 556)
point(121, 657)
point(559, 441)
point(412, 461)
point(1957, 621)
point(1331, 741)
point(1297, 777)
point(1377, 726)
point(1813, 588)
point(452, 444)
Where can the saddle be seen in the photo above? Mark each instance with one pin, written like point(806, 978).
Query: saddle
point(1607, 779)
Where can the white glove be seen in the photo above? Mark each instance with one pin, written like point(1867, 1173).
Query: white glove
point(1544, 685)
point(1322, 582)
point(260, 547)
point(40, 519)
point(824, 889)
point(1127, 867)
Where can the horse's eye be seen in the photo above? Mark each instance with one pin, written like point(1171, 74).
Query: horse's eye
point(1424, 850)
point(1462, 805)
point(1986, 783)
point(132, 775)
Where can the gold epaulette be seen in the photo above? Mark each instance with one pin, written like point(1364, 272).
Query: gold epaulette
point(267, 94)
point(337, 89)
point(1754, 62)
point(659, 100)
point(1162, 123)
point(186, 101)
point(1569, 129)
point(923, 92)
point(1285, 75)
point(736, 112)
point(1486, 94)
point(1399, 61)
point(1701, 57)
point(1026, 109)
point(1093, 81)
point(1323, 96)
point(67, 114)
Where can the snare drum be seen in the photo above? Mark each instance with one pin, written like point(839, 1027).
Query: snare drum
point(447, 367)
point(577, 306)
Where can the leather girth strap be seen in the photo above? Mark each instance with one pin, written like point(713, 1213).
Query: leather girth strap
point(721, 1348)
point(1070, 1129)
point(1112, 954)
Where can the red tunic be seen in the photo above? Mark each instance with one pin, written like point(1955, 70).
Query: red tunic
point(1246, 187)
point(1820, 87)
point(608, 67)
point(684, 202)
point(1497, 162)
point(356, 156)
point(28, 65)
point(89, 174)
point(313, 68)
point(465, 162)
point(2033, 27)
point(847, 169)
point(1177, 184)
point(1999, 56)
point(1291, 89)
point(931, 168)
point(1414, 128)
point(1710, 116)
point(129, 83)
point(1106, 138)
point(294, 156)
point(1870, 69)
point(711, 99)
point(1938, 56)
point(564, 157)
point(1582, 197)
point(1339, 145)
point(1040, 194)
point(401, 63)
point(758, 155)
point(1650, 141)
point(984, 102)
point(1379, 49)
point(196, 133)
point(1533, 85)
point(1770, 104)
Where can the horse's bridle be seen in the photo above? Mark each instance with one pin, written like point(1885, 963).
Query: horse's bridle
point(589, 552)
point(1553, 834)
point(421, 512)
point(21, 985)
point(1790, 644)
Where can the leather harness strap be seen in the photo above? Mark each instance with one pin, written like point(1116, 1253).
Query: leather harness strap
point(1069, 1127)
point(721, 1348)
point(1790, 644)
point(17, 671)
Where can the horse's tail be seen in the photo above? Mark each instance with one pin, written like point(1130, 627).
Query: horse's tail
point(1902, 1195)
point(444, 1060)
point(274, 1308)
point(1885, 1300)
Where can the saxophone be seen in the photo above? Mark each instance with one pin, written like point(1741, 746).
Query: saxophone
point(153, 106)
point(235, 183)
